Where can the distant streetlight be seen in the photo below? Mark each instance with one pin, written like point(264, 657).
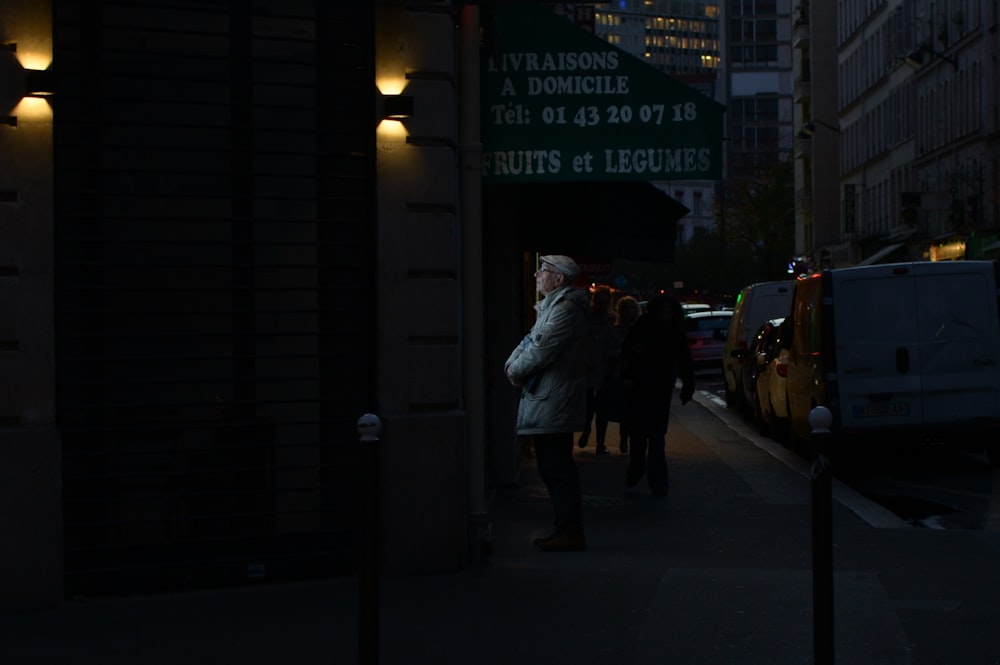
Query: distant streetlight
point(915, 58)
point(809, 128)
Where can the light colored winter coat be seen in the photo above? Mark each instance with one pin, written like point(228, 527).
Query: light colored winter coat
point(550, 365)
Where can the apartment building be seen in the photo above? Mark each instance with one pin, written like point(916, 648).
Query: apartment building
point(818, 228)
point(910, 139)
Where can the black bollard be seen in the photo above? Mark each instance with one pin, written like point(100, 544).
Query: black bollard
point(369, 427)
point(821, 476)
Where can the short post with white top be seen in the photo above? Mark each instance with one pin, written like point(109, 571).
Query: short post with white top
point(369, 427)
point(821, 476)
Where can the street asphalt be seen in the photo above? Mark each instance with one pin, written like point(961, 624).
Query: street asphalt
point(719, 572)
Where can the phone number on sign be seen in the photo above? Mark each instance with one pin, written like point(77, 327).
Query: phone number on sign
point(590, 116)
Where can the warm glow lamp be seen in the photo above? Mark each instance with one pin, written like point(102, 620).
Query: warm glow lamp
point(39, 83)
point(397, 107)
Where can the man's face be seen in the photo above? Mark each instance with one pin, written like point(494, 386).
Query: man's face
point(547, 279)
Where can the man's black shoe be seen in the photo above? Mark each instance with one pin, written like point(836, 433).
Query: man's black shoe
point(562, 542)
point(603, 450)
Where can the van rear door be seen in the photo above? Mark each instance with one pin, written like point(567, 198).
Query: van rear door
point(771, 300)
point(959, 341)
point(877, 346)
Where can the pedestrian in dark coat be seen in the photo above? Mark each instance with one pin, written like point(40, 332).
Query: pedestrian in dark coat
point(655, 355)
point(601, 320)
point(613, 399)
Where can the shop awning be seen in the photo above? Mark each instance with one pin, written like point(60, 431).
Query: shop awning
point(617, 220)
point(560, 104)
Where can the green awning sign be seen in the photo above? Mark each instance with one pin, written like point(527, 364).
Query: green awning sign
point(560, 104)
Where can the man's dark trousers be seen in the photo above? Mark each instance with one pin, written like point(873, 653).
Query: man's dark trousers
point(556, 466)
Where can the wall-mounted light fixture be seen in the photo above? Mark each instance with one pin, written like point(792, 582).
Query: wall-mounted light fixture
point(397, 107)
point(915, 58)
point(37, 82)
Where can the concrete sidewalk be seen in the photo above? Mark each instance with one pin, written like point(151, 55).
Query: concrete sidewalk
point(717, 573)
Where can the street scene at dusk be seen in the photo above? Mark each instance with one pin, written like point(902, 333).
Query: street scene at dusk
point(508, 331)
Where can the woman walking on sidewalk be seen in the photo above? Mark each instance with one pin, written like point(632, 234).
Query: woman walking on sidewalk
point(655, 354)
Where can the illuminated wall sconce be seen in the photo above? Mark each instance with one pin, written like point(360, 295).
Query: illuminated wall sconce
point(37, 82)
point(397, 107)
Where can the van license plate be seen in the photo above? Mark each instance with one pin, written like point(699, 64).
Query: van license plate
point(881, 409)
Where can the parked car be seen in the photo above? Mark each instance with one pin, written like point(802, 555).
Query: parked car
point(755, 305)
point(706, 335)
point(770, 384)
point(760, 342)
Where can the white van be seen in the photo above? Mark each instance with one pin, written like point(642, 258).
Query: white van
point(907, 351)
point(755, 305)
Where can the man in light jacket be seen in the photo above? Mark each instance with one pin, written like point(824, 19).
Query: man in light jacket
point(549, 366)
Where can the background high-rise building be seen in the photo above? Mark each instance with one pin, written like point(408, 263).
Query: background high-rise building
point(757, 62)
point(737, 52)
point(680, 39)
